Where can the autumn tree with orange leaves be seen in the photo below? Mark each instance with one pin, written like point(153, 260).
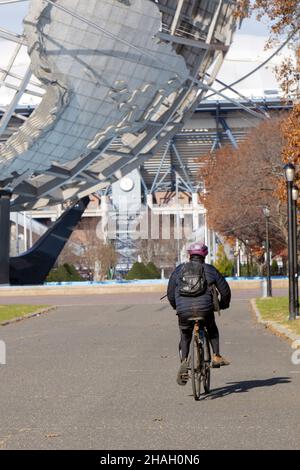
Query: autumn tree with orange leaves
point(240, 182)
point(285, 21)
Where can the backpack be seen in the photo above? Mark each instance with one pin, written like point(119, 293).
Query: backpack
point(192, 281)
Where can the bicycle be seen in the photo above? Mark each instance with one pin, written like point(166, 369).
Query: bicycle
point(199, 358)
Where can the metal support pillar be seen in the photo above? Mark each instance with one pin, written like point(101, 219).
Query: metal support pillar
point(268, 260)
point(228, 132)
point(291, 256)
point(4, 236)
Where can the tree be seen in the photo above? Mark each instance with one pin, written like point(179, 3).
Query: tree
point(70, 254)
point(64, 273)
point(240, 182)
point(94, 255)
point(99, 257)
point(291, 150)
point(153, 270)
point(138, 271)
point(284, 14)
point(163, 253)
point(274, 268)
point(285, 20)
point(223, 264)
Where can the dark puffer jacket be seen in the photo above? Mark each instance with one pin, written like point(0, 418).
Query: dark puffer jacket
point(202, 303)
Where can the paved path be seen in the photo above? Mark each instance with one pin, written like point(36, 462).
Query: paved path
point(103, 377)
point(117, 299)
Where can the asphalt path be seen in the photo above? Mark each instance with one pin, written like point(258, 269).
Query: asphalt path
point(104, 377)
point(117, 299)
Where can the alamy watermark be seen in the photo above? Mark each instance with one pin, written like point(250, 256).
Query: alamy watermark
point(142, 222)
point(295, 358)
point(2, 353)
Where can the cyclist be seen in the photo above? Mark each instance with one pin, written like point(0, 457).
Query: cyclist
point(190, 294)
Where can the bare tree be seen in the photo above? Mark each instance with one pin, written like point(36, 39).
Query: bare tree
point(98, 256)
point(86, 251)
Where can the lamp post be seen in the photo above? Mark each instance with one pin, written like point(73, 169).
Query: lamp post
point(237, 259)
point(295, 194)
point(247, 257)
point(290, 175)
point(266, 212)
point(4, 236)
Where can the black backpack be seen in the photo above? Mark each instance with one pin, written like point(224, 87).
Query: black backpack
point(192, 281)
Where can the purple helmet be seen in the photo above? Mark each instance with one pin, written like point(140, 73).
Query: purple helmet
point(198, 248)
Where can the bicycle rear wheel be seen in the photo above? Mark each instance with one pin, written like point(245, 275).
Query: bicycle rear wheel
point(196, 366)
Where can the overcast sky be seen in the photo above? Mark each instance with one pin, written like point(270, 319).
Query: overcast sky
point(246, 52)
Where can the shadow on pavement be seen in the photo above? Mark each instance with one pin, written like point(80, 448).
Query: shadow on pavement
point(245, 386)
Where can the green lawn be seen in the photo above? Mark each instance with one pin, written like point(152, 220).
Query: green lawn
point(8, 312)
point(277, 309)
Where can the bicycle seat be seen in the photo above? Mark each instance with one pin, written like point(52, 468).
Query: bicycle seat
point(195, 318)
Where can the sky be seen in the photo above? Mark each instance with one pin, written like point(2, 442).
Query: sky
point(246, 52)
point(11, 16)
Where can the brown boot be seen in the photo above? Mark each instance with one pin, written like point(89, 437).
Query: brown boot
point(219, 360)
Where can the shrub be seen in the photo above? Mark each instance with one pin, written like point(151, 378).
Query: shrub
point(154, 272)
point(274, 268)
point(223, 264)
point(64, 273)
point(138, 271)
point(253, 270)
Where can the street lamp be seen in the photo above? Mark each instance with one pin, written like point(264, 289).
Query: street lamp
point(238, 248)
point(4, 236)
point(295, 194)
point(247, 257)
point(236, 255)
point(290, 175)
point(266, 212)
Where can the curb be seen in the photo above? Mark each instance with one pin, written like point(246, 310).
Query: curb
point(273, 326)
point(42, 291)
point(29, 315)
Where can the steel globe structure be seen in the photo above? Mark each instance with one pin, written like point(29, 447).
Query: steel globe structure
point(117, 80)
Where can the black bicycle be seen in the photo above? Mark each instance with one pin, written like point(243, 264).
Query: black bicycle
point(199, 358)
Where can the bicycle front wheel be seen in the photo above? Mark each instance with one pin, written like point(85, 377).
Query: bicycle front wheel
point(206, 365)
point(196, 363)
point(206, 378)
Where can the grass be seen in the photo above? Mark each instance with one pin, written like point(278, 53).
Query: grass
point(277, 309)
point(8, 312)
